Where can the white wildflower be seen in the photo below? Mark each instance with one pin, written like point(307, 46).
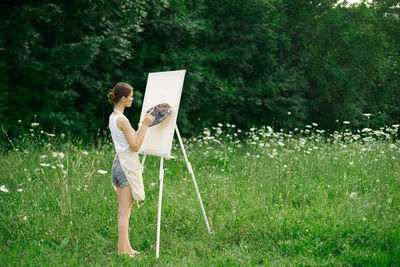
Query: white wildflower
point(19, 190)
point(45, 164)
point(57, 154)
point(3, 188)
point(308, 126)
point(25, 218)
point(33, 124)
point(314, 124)
point(43, 156)
point(289, 113)
point(396, 125)
point(102, 172)
point(281, 144)
point(220, 124)
point(351, 163)
point(353, 195)
point(346, 122)
point(367, 115)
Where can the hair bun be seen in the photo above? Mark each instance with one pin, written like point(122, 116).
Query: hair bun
point(111, 97)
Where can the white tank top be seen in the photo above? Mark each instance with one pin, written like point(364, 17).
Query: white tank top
point(118, 136)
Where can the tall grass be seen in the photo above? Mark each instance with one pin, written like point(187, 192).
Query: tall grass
point(272, 198)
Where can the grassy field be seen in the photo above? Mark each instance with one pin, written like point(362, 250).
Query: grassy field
point(273, 199)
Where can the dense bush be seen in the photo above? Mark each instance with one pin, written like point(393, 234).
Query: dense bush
point(282, 63)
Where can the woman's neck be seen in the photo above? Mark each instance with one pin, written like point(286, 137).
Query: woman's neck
point(120, 109)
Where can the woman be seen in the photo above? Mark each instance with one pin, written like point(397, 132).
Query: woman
point(126, 168)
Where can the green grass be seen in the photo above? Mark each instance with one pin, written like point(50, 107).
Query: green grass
point(272, 199)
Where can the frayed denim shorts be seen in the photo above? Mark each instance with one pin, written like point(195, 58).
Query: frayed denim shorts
point(118, 177)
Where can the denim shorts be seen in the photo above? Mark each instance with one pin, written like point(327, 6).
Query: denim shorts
point(118, 177)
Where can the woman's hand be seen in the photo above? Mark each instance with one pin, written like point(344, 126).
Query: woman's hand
point(148, 120)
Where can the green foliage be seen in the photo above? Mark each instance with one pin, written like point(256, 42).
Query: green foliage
point(62, 60)
point(248, 62)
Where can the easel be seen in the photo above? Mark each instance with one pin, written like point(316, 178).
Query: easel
point(161, 177)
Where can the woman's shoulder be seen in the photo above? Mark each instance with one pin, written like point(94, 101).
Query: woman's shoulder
point(122, 117)
point(123, 122)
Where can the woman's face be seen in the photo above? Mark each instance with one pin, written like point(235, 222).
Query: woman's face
point(128, 100)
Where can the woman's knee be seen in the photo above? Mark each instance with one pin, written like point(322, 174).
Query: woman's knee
point(124, 214)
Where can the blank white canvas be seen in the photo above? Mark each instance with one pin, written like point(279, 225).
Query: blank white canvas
point(162, 87)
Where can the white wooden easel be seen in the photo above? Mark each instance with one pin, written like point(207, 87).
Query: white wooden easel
point(161, 177)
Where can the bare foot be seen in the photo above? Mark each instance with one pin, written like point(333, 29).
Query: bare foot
point(131, 252)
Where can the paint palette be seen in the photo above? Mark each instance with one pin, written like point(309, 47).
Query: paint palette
point(160, 112)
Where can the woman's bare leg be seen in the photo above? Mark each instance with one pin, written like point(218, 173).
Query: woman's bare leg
point(125, 201)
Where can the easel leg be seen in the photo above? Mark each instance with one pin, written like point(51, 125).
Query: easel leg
point(159, 206)
point(193, 178)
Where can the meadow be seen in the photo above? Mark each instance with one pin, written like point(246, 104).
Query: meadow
point(305, 197)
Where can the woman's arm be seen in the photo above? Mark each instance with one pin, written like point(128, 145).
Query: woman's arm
point(135, 140)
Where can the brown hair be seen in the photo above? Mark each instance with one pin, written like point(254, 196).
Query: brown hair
point(119, 90)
